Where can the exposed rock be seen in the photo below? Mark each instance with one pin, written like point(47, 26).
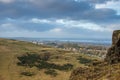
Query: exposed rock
point(115, 37)
point(113, 54)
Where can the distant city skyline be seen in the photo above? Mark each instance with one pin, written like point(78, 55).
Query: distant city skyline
point(59, 18)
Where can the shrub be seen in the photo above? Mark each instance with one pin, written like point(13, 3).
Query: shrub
point(46, 65)
point(31, 60)
point(40, 61)
point(51, 72)
point(84, 60)
point(27, 73)
point(67, 66)
point(28, 59)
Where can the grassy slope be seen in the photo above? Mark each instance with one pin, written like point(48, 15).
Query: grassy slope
point(102, 71)
point(10, 49)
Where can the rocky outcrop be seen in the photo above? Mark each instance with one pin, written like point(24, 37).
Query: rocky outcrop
point(113, 54)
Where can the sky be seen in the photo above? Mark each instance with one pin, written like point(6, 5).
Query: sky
point(59, 18)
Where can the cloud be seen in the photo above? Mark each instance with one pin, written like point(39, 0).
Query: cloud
point(36, 20)
point(22, 33)
point(66, 29)
point(44, 9)
point(111, 5)
point(82, 25)
point(56, 30)
point(58, 9)
point(78, 24)
point(115, 26)
point(95, 1)
point(6, 1)
point(56, 25)
point(7, 27)
point(59, 17)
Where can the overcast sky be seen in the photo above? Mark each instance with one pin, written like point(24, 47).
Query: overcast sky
point(59, 18)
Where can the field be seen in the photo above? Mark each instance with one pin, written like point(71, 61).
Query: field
point(21, 60)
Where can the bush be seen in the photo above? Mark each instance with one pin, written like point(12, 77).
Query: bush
point(28, 59)
point(51, 72)
point(27, 73)
point(46, 65)
point(84, 60)
point(67, 66)
point(31, 60)
point(40, 61)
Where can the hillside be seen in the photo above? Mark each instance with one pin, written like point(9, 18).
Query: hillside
point(20, 60)
point(109, 69)
point(97, 71)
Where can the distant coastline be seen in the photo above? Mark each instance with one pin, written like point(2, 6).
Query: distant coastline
point(77, 40)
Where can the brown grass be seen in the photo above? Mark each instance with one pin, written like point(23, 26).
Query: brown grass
point(10, 49)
